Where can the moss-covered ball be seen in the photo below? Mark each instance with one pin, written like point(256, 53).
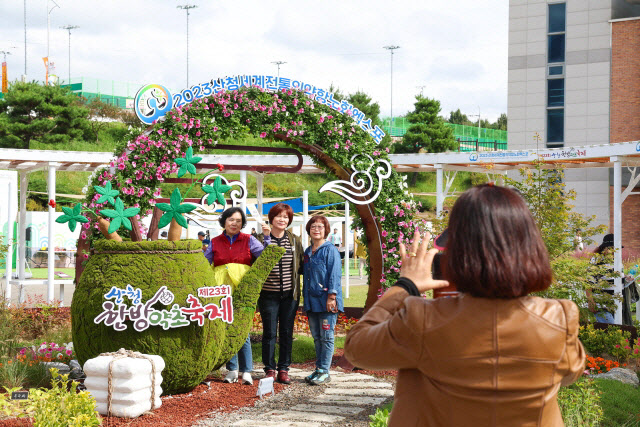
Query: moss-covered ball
point(190, 352)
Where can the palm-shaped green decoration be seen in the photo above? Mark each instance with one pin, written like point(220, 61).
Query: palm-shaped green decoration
point(174, 210)
point(107, 194)
point(119, 216)
point(187, 163)
point(216, 191)
point(72, 216)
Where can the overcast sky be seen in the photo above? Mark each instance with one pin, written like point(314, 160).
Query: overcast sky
point(456, 49)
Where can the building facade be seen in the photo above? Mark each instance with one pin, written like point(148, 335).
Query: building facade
point(574, 81)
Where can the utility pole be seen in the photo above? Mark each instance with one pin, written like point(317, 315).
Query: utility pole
point(69, 28)
point(421, 89)
point(46, 82)
point(25, 39)
point(391, 48)
point(278, 63)
point(187, 7)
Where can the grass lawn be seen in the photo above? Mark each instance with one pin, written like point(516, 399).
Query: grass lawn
point(303, 349)
point(620, 402)
point(41, 273)
point(357, 296)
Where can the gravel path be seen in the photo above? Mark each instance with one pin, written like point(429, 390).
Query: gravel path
point(347, 400)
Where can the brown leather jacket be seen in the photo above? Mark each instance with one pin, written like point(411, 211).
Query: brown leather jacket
point(467, 361)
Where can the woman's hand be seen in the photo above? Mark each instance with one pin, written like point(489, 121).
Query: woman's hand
point(266, 229)
point(416, 264)
point(332, 304)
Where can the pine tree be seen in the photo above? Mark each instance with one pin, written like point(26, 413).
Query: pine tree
point(48, 114)
point(428, 132)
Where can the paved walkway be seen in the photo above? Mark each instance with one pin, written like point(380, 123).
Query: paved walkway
point(347, 400)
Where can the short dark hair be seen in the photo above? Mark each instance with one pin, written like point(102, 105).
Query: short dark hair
point(495, 249)
point(323, 220)
point(278, 209)
point(228, 212)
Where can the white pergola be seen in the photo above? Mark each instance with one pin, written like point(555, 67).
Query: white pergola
point(601, 156)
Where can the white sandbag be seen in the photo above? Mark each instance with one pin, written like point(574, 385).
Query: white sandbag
point(124, 411)
point(127, 398)
point(122, 368)
point(131, 378)
point(123, 385)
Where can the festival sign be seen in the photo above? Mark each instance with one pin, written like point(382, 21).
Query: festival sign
point(153, 101)
point(143, 315)
point(569, 153)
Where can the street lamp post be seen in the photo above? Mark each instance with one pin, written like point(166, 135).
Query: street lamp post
point(69, 28)
point(391, 48)
point(278, 63)
point(48, 29)
point(187, 7)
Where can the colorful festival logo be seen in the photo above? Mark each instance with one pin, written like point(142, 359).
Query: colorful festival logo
point(118, 311)
point(152, 102)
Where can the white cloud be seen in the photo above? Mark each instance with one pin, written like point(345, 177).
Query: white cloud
point(457, 49)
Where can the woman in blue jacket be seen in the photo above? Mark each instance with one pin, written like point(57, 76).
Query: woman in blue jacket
point(322, 293)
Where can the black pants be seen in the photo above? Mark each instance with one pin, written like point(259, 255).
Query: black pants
point(277, 307)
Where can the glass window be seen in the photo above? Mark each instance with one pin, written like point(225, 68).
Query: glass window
point(557, 13)
point(556, 48)
point(556, 70)
point(555, 127)
point(555, 92)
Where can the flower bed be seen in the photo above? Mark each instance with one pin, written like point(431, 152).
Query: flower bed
point(599, 365)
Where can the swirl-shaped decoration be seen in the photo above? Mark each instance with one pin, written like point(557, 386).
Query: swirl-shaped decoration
point(237, 194)
point(361, 183)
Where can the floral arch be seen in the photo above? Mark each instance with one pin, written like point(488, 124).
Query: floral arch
point(334, 140)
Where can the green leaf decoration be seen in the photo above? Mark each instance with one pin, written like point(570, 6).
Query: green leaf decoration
point(216, 191)
point(187, 164)
point(174, 210)
point(107, 194)
point(119, 216)
point(72, 216)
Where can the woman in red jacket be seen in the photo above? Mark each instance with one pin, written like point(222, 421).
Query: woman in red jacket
point(238, 249)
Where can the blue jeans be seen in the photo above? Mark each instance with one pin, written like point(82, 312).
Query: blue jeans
point(322, 337)
point(276, 307)
point(245, 356)
point(605, 317)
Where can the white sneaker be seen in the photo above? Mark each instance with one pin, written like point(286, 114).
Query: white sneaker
point(232, 377)
point(246, 378)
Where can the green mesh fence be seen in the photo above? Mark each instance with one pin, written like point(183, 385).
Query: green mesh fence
point(471, 138)
point(109, 91)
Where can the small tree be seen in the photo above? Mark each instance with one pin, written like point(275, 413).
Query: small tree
point(100, 114)
point(49, 114)
point(550, 204)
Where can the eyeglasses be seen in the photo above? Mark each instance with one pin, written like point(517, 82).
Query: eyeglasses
point(316, 227)
point(232, 221)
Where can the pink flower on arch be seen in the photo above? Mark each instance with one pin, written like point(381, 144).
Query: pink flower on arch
point(263, 134)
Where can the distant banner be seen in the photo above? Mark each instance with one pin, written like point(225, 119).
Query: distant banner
point(154, 101)
point(4, 78)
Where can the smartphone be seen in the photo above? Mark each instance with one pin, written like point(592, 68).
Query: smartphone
point(436, 268)
point(437, 274)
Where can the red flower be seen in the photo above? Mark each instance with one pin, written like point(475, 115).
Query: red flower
point(52, 203)
point(220, 167)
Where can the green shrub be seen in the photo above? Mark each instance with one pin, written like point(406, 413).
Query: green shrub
point(613, 341)
point(381, 417)
point(13, 408)
point(580, 403)
point(62, 406)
